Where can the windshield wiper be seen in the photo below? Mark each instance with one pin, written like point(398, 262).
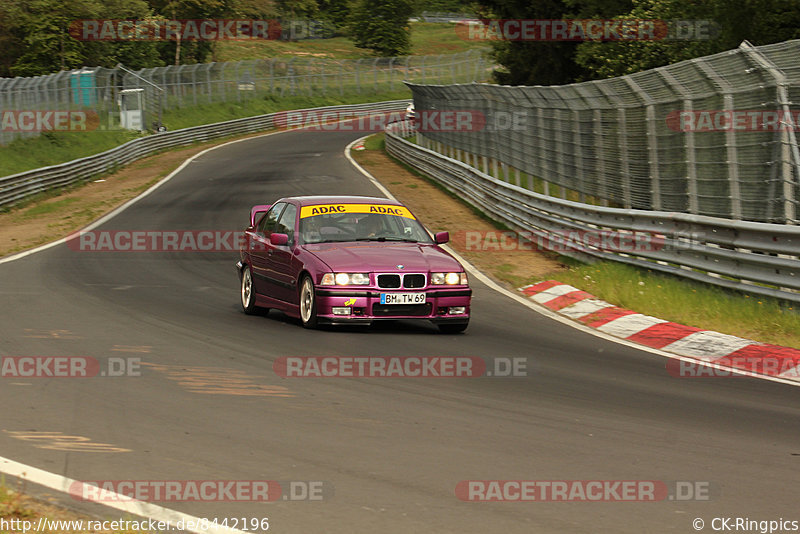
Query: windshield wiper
point(403, 239)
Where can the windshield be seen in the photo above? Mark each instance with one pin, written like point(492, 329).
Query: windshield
point(343, 227)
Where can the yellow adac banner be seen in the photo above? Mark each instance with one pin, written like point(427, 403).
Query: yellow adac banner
point(383, 209)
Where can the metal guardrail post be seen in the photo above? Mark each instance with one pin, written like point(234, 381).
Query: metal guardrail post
point(652, 144)
point(358, 75)
point(546, 175)
point(600, 155)
point(560, 153)
point(322, 79)
point(222, 82)
point(210, 89)
point(622, 144)
point(788, 136)
point(734, 192)
point(689, 141)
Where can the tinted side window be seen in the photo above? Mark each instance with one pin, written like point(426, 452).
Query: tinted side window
point(267, 224)
point(286, 222)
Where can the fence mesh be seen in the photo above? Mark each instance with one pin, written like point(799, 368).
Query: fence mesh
point(630, 141)
point(97, 89)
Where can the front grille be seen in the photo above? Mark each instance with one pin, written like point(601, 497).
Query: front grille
point(396, 310)
point(389, 281)
point(396, 281)
point(414, 281)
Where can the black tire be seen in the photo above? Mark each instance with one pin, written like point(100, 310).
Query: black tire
point(452, 328)
point(308, 303)
point(248, 297)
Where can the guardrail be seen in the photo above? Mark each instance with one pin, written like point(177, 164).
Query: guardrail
point(711, 136)
point(17, 187)
point(758, 258)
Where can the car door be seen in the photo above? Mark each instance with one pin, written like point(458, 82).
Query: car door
point(279, 258)
point(259, 250)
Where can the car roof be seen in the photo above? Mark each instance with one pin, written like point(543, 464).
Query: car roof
point(340, 199)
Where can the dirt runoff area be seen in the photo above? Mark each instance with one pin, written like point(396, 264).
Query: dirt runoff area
point(22, 514)
point(495, 252)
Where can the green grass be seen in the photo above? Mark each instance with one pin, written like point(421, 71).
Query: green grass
point(531, 182)
point(175, 119)
point(57, 147)
point(51, 207)
point(12, 507)
point(429, 38)
point(688, 302)
point(11, 504)
point(426, 39)
point(376, 142)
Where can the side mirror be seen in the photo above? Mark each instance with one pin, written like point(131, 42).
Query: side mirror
point(278, 239)
point(255, 211)
point(441, 237)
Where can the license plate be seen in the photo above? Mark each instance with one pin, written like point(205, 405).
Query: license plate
point(402, 298)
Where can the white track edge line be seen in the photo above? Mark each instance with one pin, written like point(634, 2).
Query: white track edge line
point(553, 315)
point(121, 502)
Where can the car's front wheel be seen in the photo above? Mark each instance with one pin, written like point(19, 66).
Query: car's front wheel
point(248, 295)
point(308, 303)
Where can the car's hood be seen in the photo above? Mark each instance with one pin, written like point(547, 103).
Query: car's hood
point(383, 257)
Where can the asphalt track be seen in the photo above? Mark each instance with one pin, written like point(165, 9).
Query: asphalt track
point(392, 449)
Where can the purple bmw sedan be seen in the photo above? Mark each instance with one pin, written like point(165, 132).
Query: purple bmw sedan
point(349, 259)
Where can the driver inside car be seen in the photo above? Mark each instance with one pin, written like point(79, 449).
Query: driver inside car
point(370, 226)
point(311, 230)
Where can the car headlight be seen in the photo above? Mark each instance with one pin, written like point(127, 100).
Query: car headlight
point(450, 279)
point(345, 279)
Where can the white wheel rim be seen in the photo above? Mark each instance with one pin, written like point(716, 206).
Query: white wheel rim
point(306, 300)
point(247, 287)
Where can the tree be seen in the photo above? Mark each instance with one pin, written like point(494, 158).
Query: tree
point(35, 36)
point(12, 36)
point(335, 11)
point(185, 52)
point(382, 26)
point(534, 62)
point(295, 9)
point(43, 27)
point(759, 21)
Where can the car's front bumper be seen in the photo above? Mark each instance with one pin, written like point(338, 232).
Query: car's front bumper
point(365, 305)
